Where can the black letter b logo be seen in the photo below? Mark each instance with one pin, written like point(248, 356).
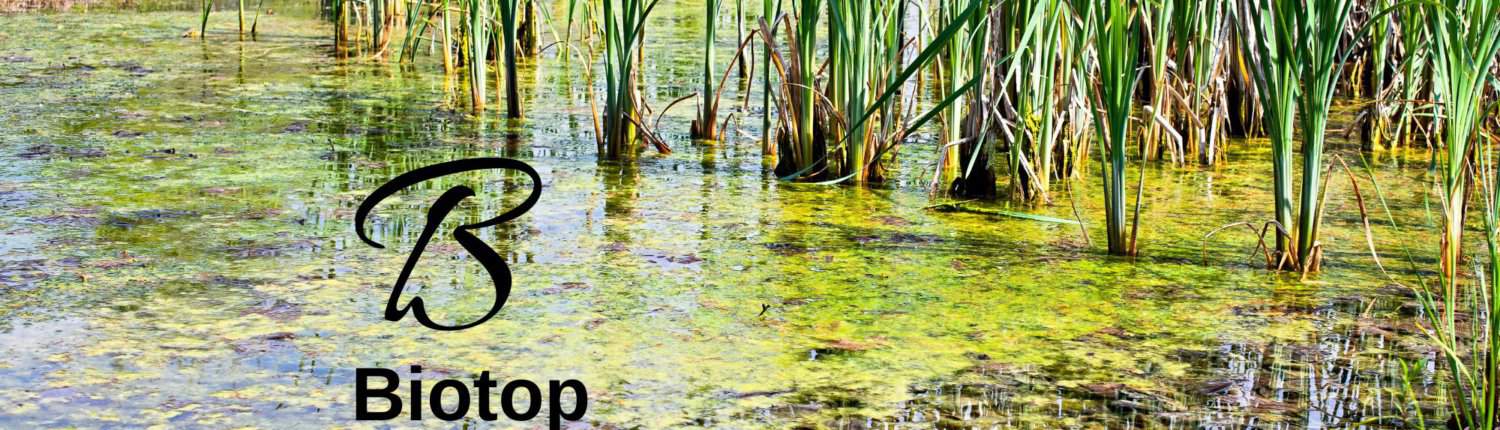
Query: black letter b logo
point(493, 264)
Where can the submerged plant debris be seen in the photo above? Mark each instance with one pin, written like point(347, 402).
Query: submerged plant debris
point(177, 249)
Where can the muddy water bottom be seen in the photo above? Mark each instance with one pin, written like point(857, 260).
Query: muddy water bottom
point(179, 250)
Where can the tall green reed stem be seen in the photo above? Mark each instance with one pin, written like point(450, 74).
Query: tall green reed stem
point(1293, 51)
point(1160, 135)
point(1465, 37)
point(842, 146)
point(477, 32)
point(975, 146)
point(953, 70)
point(1465, 40)
point(1033, 92)
point(624, 23)
point(1201, 34)
point(1116, 48)
point(508, 16)
point(768, 25)
point(1414, 70)
point(704, 127)
point(208, 5)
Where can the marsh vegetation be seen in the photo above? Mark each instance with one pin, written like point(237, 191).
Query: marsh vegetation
point(972, 213)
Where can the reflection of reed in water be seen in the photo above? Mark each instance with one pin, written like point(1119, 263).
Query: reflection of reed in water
point(620, 196)
point(1344, 378)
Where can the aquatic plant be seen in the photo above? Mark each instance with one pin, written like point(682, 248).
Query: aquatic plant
point(860, 34)
point(208, 5)
point(768, 29)
point(827, 135)
point(1377, 116)
point(1465, 36)
point(1319, 32)
point(703, 127)
point(1461, 322)
point(241, 16)
point(1078, 113)
point(1159, 135)
point(1465, 41)
point(507, 18)
point(527, 28)
point(477, 37)
point(1032, 90)
point(1292, 50)
point(448, 64)
point(967, 125)
point(375, 20)
point(1116, 47)
point(485, 31)
point(623, 130)
point(1201, 33)
point(416, 24)
point(739, 34)
point(797, 151)
point(1268, 53)
point(952, 70)
point(567, 41)
point(1412, 30)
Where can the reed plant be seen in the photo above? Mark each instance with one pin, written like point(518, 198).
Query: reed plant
point(1377, 116)
point(1116, 47)
point(1241, 98)
point(768, 29)
point(376, 14)
point(477, 38)
point(851, 52)
point(1268, 51)
point(448, 62)
point(482, 31)
point(1319, 32)
point(1081, 65)
point(241, 16)
point(977, 153)
point(952, 70)
point(1462, 322)
point(507, 16)
point(1471, 352)
point(704, 127)
point(1033, 88)
point(623, 132)
point(857, 71)
point(1465, 36)
point(419, 19)
point(842, 132)
point(567, 41)
point(739, 34)
point(797, 150)
point(208, 5)
point(1160, 137)
point(1292, 49)
point(968, 149)
point(1414, 69)
point(527, 28)
point(1201, 31)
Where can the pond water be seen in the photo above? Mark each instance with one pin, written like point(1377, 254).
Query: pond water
point(178, 250)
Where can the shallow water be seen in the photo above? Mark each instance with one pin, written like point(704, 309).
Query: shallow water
point(178, 250)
